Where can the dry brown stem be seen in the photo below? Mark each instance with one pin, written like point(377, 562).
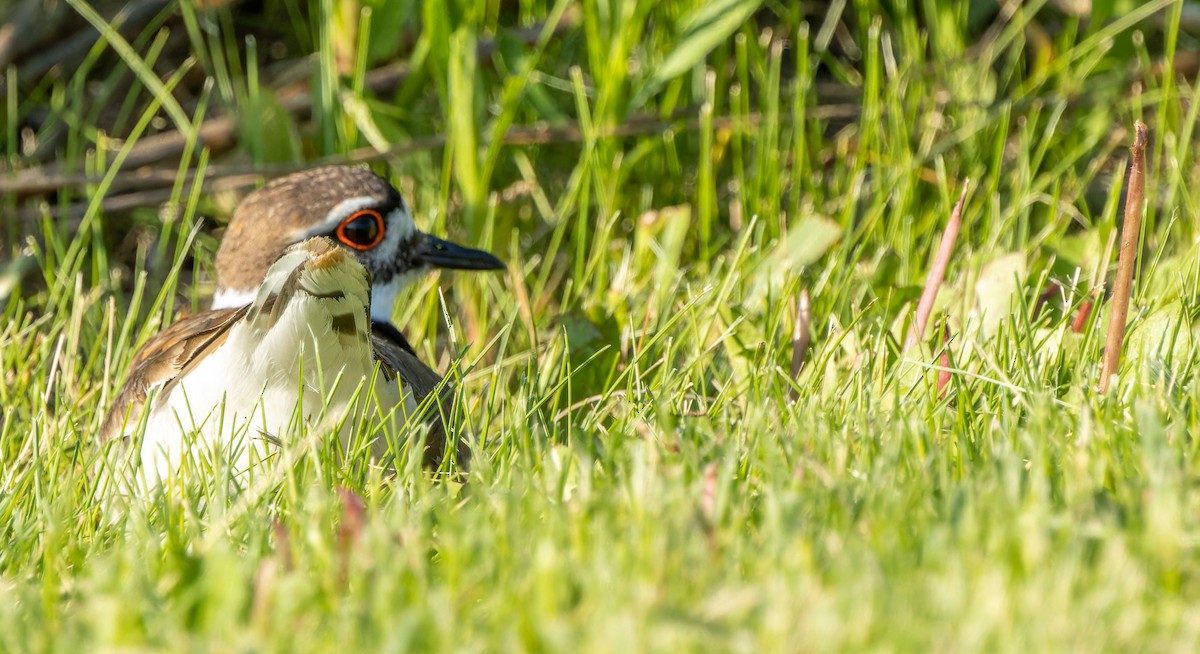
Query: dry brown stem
point(937, 273)
point(1127, 258)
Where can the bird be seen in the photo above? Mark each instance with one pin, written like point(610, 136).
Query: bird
point(308, 249)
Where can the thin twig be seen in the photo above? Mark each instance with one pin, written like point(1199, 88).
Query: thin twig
point(801, 337)
point(937, 273)
point(127, 201)
point(220, 134)
point(1127, 258)
point(127, 20)
point(39, 181)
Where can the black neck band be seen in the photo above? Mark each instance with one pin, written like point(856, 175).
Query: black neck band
point(387, 330)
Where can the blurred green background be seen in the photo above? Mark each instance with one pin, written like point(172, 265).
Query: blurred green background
point(653, 468)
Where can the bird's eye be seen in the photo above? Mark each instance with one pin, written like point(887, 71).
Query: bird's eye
point(361, 230)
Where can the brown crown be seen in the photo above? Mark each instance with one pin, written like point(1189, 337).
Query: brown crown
point(281, 213)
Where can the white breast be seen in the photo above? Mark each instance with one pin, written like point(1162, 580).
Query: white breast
point(276, 380)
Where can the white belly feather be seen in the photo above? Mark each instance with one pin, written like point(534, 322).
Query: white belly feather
point(279, 378)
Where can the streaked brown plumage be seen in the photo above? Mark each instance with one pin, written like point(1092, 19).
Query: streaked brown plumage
point(322, 201)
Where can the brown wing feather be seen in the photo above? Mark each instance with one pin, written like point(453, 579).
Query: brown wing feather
point(171, 353)
point(423, 381)
point(164, 359)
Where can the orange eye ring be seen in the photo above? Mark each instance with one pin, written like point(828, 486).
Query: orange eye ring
point(361, 230)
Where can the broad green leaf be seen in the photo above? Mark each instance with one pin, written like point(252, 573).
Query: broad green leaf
point(1169, 277)
point(998, 285)
point(703, 30)
point(807, 242)
point(1164, 337)
point(1082, 252)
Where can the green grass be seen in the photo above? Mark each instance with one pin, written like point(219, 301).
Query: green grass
point(641, 478)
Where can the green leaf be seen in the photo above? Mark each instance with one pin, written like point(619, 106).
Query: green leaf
point(1082, 251)
point(272, 129)
point(593, 340)
point(1162, 338)
point(703, 30)
point(387, 20)
point(998, 285)
point(807, 242)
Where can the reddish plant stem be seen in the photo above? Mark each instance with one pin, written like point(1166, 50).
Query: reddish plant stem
point(801, 337)
point(283, 543)
point(1081, 318)
point(1127, 258)
point(937, 273)
point(1047, 294)
point(944, 374)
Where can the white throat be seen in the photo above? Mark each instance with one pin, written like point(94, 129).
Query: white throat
point(383, 299)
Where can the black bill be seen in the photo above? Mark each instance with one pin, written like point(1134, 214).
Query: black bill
point(440, 253)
